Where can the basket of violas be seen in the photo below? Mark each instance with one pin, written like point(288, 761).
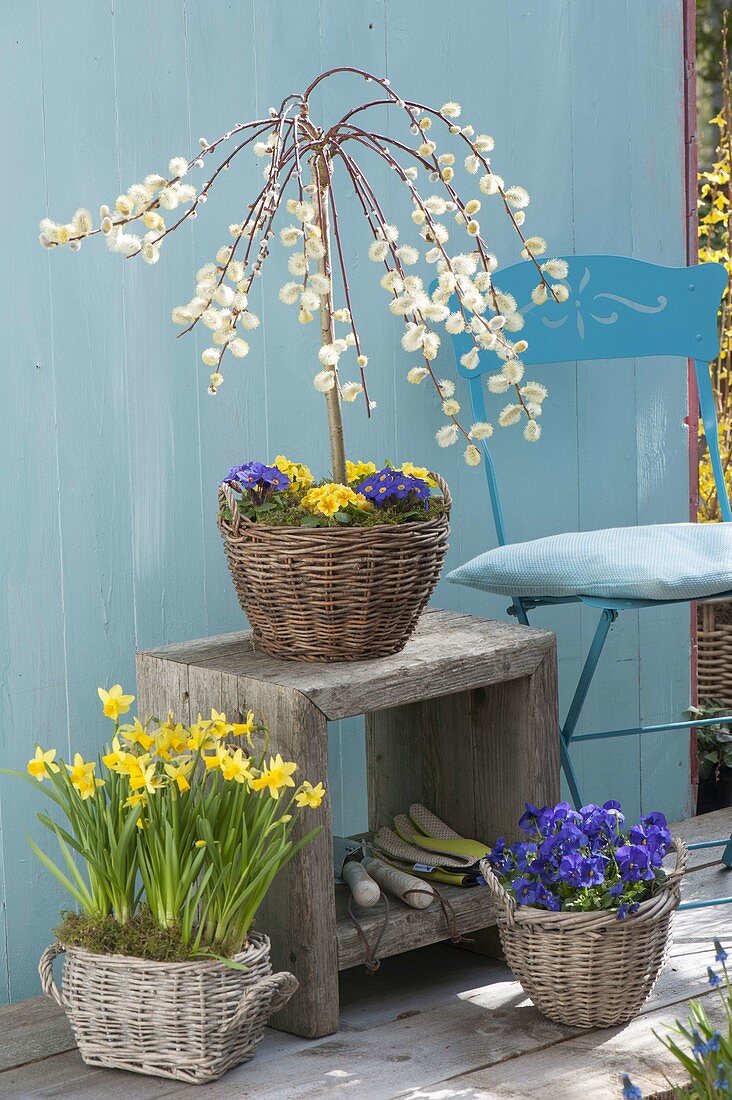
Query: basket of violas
point(333, 572)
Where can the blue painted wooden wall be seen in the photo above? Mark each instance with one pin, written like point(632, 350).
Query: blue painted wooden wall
point(111, 450)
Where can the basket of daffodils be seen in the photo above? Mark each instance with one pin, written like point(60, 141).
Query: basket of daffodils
point(167, 844)
point(332, 572)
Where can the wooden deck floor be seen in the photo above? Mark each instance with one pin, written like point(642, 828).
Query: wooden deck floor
point(435, 1024)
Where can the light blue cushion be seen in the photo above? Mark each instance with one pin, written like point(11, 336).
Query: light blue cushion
point(671, 561)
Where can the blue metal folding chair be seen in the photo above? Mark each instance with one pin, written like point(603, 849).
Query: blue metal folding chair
point(617, 308)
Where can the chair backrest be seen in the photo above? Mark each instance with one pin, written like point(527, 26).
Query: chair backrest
point(618, 308)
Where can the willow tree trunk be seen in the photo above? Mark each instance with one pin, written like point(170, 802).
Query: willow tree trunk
point(321, 179)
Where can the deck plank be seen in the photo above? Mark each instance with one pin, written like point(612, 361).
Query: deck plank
point(438, 1019)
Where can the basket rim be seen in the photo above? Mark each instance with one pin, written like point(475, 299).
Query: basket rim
point(665, 898)
point(257, 942)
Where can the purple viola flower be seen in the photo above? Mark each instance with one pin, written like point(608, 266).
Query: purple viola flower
point(655, 818)
point(634, 863)
point(626, 908)
point(525, 891)
point(525, 854)
point(501, 858)
point(529, 820)
point(580, 871)
point(654, 838)
point(617, 889)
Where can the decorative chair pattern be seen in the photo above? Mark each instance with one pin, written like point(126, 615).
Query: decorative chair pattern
point(617, 308)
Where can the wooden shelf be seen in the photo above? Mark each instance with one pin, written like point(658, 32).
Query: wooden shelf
point(408, 928)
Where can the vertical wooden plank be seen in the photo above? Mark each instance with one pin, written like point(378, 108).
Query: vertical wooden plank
point(394, 762)
point(515, 750)
point(33, 690)
point(162, 386)
point(298, 913)
point(162, 688)
point(659, 233)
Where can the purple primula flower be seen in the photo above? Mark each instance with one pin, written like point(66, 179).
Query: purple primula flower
point(258, 480)
point(388, 486)
point(634, 863)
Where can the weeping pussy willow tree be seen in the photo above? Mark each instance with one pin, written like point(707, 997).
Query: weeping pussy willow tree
point(302, 162)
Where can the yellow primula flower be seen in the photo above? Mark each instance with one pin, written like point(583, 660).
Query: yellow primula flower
point(326, 500)
point(277, 775)
point(114, 701)
point(136, 734)
point(357, 471)
point(311, 796)
point(421, 472)
point(300, 476)
point(179, 772)
point(82, 778)
point(42, 764)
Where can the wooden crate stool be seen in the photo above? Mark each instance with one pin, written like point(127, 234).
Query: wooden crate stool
point(463, 720)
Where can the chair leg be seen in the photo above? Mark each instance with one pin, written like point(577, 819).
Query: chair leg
point(727, 854)
point(607, 618)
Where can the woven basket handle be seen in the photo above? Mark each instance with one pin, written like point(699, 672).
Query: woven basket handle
point(226, 496)
point(500, 896)
point(442, 486)
point(682, 858)
point(278, 988)
point(45, 969)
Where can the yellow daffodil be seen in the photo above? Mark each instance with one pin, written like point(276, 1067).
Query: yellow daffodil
point(116, 760)
point(357, 471)
point(236, 767)
point(139, 798)
point(179, 772)
point(300, 476)
point(42, 764)
point(214, 759)
point(171, 739)
point(81, 774)
point(311, 796)
point(114, 701)
point(244, 729)
point(219, 726)
point(136, 734)
point(143, 775)
point(199, 844)
point(277, 775)
point(200, 736)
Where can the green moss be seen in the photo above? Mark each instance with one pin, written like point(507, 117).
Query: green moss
point(140, 937)
point(292, 515)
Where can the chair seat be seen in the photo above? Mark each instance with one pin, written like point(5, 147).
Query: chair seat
point(668, 561)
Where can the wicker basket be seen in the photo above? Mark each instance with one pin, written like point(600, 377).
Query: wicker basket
point(191, 1021)
point(333, 593)
point(714, 638)
point(588, 969)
